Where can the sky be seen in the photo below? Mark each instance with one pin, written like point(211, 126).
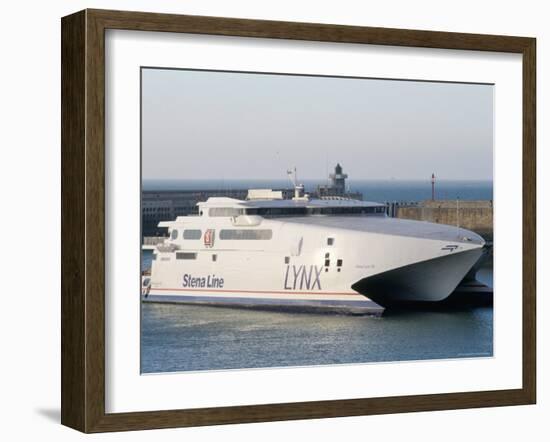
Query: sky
point(208, 124)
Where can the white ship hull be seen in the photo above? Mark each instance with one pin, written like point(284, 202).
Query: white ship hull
point(343, 263)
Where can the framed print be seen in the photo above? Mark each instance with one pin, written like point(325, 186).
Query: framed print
point(270, 220)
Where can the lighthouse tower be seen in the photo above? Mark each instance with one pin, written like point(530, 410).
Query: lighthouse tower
point(336, 188)
point(338, 180)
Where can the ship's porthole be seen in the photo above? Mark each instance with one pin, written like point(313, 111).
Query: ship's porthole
point(214, 258)
point(330, 241)
point(287, 259)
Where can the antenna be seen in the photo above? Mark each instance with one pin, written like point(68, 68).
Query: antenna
point(292, 176)
point(326, 169)
point(298, 188)
point(457, 218)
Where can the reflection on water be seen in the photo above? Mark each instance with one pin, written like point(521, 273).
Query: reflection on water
point(485, 275)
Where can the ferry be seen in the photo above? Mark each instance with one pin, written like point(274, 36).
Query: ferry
point(319, 254)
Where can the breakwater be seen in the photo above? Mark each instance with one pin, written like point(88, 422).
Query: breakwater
point(472, 215)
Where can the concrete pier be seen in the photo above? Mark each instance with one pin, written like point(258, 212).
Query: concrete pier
point(472, 215)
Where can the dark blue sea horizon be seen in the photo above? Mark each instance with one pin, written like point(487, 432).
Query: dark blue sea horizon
point(372, 190)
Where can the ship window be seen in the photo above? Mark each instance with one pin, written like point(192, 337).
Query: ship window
point(244, 234)
point(339, 263)
point(327, 262)
point(192, 234)
point(330, 241)
point(214, 258)
point(327, 255)
point(305, 211)
point(186, 255)
point(174, 234)
point(287, 259)
point(225, 211)
point(277, 211)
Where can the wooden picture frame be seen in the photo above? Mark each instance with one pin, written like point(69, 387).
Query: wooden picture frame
point(83, 210)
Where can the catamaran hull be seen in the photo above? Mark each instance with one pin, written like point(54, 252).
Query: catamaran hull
point(427, 281)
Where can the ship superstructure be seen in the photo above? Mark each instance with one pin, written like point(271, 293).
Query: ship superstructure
point(334, 253)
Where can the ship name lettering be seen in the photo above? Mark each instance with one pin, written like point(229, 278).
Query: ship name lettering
point(210, 281)
point(303, 277)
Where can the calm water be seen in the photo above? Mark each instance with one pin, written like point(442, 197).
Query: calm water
point(183, 338)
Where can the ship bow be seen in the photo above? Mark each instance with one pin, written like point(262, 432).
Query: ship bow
point(426, 281)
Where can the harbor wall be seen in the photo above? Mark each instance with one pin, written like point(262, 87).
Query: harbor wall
point(472, 215)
